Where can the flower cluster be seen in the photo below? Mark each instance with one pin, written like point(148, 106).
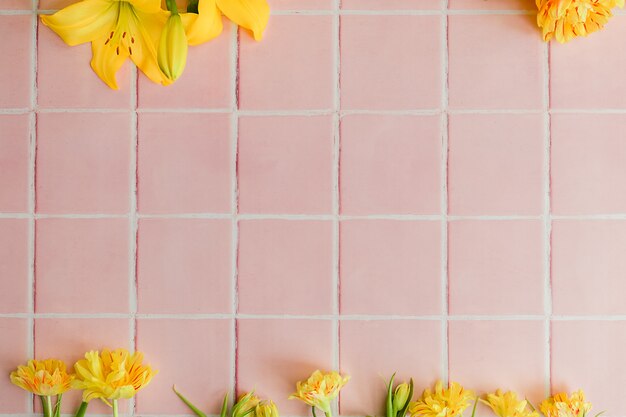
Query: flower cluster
point(156, 40)
point(107, 375)
point(567, 19)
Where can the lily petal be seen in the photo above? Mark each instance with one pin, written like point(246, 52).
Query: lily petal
point(106, 61)
point(250, 14)
point(205, 25)
point(84, 21)
point(145, 55)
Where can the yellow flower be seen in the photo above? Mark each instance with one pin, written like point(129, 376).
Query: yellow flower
point(250, 14)
point(204, 25)
point(111, 375)
point(567, 19)
point(266, 409)
point(320, 389)
point(442, 402)
point(172, 54)
point(560, 405)
point(245, 405)
point(508, 405)
point(117, 30)
point(45, 378)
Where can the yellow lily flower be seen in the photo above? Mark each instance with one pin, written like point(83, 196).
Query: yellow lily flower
point(508, 405)
point(320, 389)
point(250, 14)
point(442, 402)
point(204, 25)
point(567, 19)
point(117, 30)
point(111, 375)
point(560, 405)
point(44, 378)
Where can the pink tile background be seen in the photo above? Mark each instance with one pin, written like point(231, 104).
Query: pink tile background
point(420, 186)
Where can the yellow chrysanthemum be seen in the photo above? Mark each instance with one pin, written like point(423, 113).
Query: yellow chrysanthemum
point(508, 405)
point(320, 389)
point(111, 375)
point(560, 405)
point(47, 377)
point(567, 19)
point(442, 402)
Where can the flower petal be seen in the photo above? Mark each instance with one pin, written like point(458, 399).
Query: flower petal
point(205, 25)
point(149, 26)
point(83, 21)
point(107, 60)
point(250, 14)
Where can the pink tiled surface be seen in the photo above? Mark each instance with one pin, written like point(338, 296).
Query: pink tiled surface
point(420, 186)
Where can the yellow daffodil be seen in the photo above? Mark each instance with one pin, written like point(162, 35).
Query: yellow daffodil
point(172, 53)
point(567, 19)
point(47, 377)
point(111, 375)
point(320, 389)
point(266, 409)
point(442, 402)
point(508, 405)
point(117, 30)
point(560, 405)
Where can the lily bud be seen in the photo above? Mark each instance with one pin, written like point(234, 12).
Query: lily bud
point(172, 53)
point(401, 396)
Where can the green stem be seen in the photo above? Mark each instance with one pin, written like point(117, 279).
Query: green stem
point(82, 409)
point(57, 406)
point(313, 411)
point(46, 404)
point(329, 414)
point(171, 6)
point(115, 409)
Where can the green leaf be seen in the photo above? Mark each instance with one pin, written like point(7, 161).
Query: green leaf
point(188, 403)
point(82, 409)
point(600, 413)
point(224, 406)
point(532, 407)
point(390, 410)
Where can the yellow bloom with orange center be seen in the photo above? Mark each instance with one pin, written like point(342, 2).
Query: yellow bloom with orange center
point(567, 19)
point(320, 389)
point(45, 378)
point(508, 405)
point(111, 375)
point(560, 405)
point(442, 402)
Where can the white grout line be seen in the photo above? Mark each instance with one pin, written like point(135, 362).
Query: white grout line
point(445, 348)
point(234, 67)
point(133, 220)
point(336, 198)
point(547, 297)
point(316, 112)
point(340, 317)
point(317, 217)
